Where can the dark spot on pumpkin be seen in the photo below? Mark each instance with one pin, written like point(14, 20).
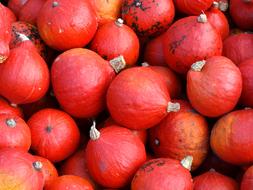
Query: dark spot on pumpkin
point(160, 163)
point(105, 57)
point(49, 129)
point(174, 45)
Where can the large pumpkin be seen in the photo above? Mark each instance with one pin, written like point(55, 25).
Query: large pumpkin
point(232, 137)
point(163, 173)
point(19, 170)
point(188, 40)
point(148, 17)
point(80, 79)
point(180, 134)
point(214, 86)
point(138, 98)
point(247, 180)
point(32, 71)
point(52, 130)
point(65, 24)
point(113, 155)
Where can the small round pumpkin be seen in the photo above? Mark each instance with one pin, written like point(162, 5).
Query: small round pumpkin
point(247, 180)
point(188, 40)
point(114, 39)
point(138, 98)
point(214, 86)
point(213, 180)
point(231, 137)
point(19, 170)
point(113, 155)
point(52, 130)
point(65, 24)
point(163, 173)
point(80, 78)
point(138, 14)
point(11, 109)
point(179, 134)
point(69, 182)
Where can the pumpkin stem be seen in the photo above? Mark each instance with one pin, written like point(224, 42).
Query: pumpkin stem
point(119, 22)
point(55, 4)
point(215, 4)
point(187, 162)
point(198, 65)
point(173, 107)
point(223, 6)
point(11, 123)
point(37, 165)
point(212, 170)
point(22, 37)
point(118, 63)
point(202, 18)
point(145, 64)
point(2, 58)
point(94, 133)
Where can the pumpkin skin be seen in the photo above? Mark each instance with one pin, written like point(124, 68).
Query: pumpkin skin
point(48, 170)
point(11, 15)
point(30, 32)
point(213, 180)
point(137, 15)
point(29, 12)
point(241, 13)
point(18, 171)
point(246, 68)
point(80, 94)
point(65, 24)
point(238, 47)
point(127, 99)
point(218, 20)
point(51, 130)
point(16, 5)
point(180, 134)
point(14, 132)
point(188, 41)
point(114, 39)
point(247, 182)
point(5, 33)
point(216, 89)
point(25, 62)
point(107, 165)
point(190, 7)
point(231, 137)
point(162, 173)
point(153, 53)
point(7, 108)
point(69, 182)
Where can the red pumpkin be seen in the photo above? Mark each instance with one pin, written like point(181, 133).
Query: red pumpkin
point(163, 173)
point(138, 98)
point(11, 109)
point(65, 24)
point(214, 86)
point(148, 17)
point(232, 137)
point(14, 132)
point(190, 7)
point(153, 53)
point(32, 71)
point(246, 68)
point(241, 12)
point(31, 32)
point(80, 79)
point(238, 47)
point(247, 180)
point(5, 33)
point(188, 40)
point(19, 170)
point(76, 165)
point(48, 170)
point(69, 182)
point(113, 155)
point(180, 134)
point(107, 10)
point(29, 12)
point(218, 20)
point(114, 39)
point(16, 5)
point(213, 180)
point(11, 15)
point(52, 130)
